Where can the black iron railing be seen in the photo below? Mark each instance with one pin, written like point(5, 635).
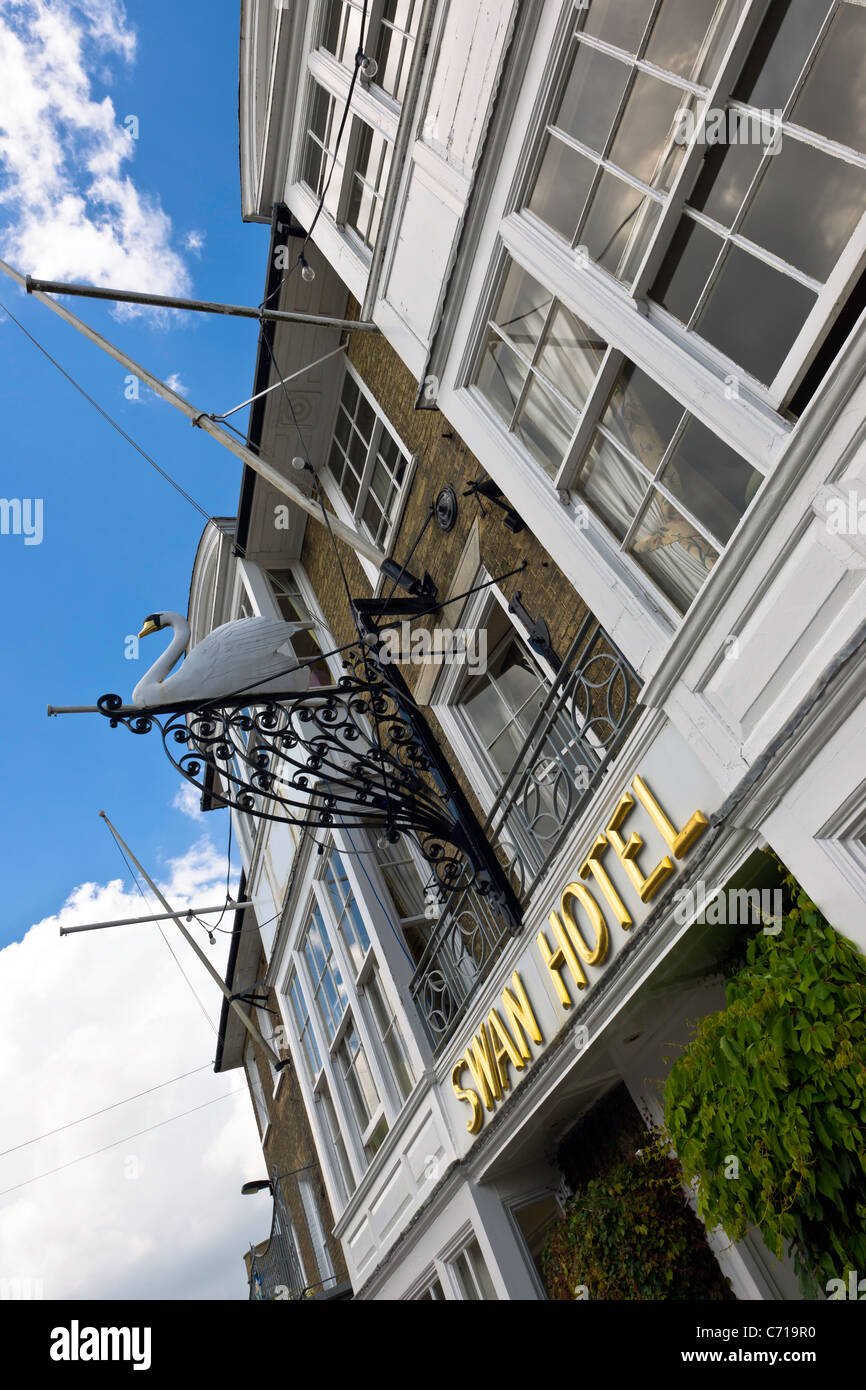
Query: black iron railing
point(577, 732)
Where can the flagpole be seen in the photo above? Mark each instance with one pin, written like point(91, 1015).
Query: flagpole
point(233, 1003)
point(271, 474)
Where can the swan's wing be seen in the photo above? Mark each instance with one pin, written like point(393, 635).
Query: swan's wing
point(248, 654)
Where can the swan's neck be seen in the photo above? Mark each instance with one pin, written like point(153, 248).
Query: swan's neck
point(161, 667)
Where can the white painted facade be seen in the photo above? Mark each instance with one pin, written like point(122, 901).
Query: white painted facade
point(753, 696)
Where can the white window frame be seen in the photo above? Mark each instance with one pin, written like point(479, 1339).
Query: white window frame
point(371, 106)
point(747, 419)
point(715, 96)
point(353, 515)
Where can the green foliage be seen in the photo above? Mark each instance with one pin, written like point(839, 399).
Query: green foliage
point(631, 1234)
point(778, 1080)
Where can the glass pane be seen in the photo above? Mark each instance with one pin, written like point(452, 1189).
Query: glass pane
point(672, 552)
point(350, 394)
point(685, 41)
point(365, 418)
point(713, 481)
point(619, 226)
point(782, 47)
point(618, 23)
point(479, 1269)
point(686, 268)
point(561, 186)
point(546, 425)
point(754, 313)
point(373, 518)
point(613, 487)
point(806, 208)
point(500, 377)
point(571, 355)
point(725, 179)
point(644, 144)
point(592, 94)
point(642, 416)
point(522, 308)
point(839, 68)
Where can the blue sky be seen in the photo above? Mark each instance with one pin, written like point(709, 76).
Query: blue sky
point(118, 542)
point(87, 1021)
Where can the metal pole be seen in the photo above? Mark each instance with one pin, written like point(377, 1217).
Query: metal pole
point(268, 471)
point(199, 306)
point(156, 917)
point(233, 1003)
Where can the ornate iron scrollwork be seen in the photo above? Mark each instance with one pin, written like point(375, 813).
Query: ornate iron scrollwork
point(358, 754)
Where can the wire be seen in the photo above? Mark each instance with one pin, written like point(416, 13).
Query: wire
point(359, 57)
point(105, 1148)
point(105, 415)
point(92, 1116)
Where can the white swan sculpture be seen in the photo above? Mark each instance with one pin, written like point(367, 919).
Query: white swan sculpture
point(249, 654)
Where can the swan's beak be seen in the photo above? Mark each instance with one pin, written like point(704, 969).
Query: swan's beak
point(149, 627)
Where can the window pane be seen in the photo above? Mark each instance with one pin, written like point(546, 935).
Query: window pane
point(592, 94)
point(642, 416)
point(672, 552)
point(571, 355)
point(806, 208)
point(644, 144)
point(501, 376)
point(546, 426)
point(713, 481)
point(840, 68)
point(686, 268)
point(522, 308)
point(612, 485)
point(342, 30)
point(685, 41)
point(561, 186)
point(619, 226)
point(754, 313)
point(725, 179)
point(782, 47)
point(619, 24)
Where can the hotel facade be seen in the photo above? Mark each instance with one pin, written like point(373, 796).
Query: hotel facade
point(602, 418)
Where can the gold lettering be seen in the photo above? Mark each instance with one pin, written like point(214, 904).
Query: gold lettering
point(503, 1047)
point(562, 956)
point(462, 1093)
point(482, 1064)
point(678, 841)
point(593, 955)
point(627, 853)
point(519, 1015)
point(593, 865)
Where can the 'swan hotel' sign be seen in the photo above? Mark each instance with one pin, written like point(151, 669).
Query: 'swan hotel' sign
point(607, 891)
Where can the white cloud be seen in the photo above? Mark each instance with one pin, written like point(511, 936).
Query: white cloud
point(187, 800)
point(175, 384)
point(88, 1020)
point(71, 210)
point(194, 241)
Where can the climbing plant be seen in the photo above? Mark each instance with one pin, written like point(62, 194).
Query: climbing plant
point(630, 1234)
point(766, 1107)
